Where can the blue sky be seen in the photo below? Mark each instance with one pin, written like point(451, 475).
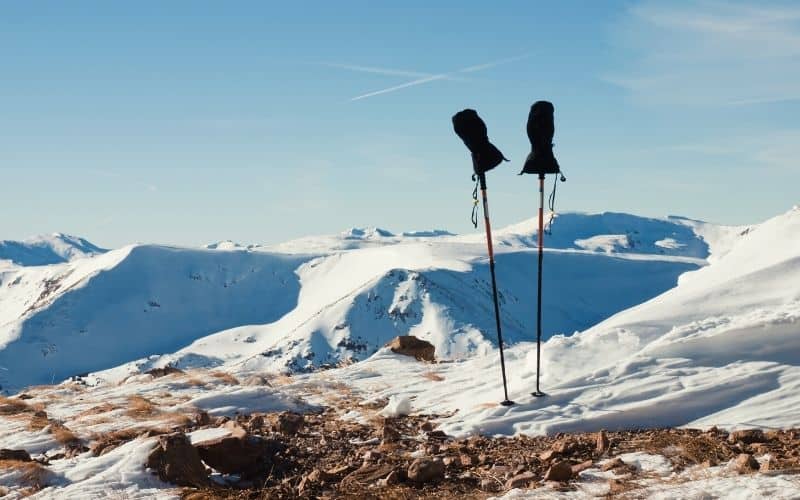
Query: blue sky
point(191, 122)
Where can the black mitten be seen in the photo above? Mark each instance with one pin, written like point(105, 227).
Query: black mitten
point(540, 132)
point(471, 129)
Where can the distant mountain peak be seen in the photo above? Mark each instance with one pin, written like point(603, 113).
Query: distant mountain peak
point(43, 250)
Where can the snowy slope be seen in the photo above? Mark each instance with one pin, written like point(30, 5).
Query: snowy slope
point(722, 348)
point(299, 309)
point(51, 249)
point(353, 302)
point(63, 320)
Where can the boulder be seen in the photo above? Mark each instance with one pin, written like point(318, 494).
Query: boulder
point(249, 456)
point(426, 470)
point(559, 471)
point(17, 455)
point(408, 345)
point(176, 461)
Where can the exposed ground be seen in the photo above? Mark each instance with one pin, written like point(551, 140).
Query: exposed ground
point(344, 448)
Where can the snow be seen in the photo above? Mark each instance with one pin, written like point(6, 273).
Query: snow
point(50, 249)
point(396, 407)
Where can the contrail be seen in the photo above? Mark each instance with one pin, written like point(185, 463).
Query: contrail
point(379, 71)
point(401, 86)
point(441, 76)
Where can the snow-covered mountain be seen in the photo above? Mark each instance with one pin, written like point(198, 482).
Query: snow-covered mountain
point(341, 298)
point(49, 249)
point(721, 348)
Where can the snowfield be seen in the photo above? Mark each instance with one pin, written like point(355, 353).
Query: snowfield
point(648, 323)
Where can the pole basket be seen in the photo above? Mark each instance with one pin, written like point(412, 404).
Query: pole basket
point(472, 130)
point(541, 128)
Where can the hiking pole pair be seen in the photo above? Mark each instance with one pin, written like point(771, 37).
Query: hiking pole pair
point(485, 156)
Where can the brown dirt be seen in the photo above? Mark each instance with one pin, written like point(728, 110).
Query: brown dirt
point(343, 459)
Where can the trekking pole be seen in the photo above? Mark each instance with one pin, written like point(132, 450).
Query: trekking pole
point(482, 180)
point(485, 156)
point(540, 237)
point(541, 161)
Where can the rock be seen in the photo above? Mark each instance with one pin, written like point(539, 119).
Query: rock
point(426, 470)
point(372, 456)
point(339, 471)
point(176, 461)
point(236, 430)
point(709, 462)
point(615, 463)
point(426, 426)
point(17, 455)
point(74, 448)
point(615, 487)
point(468, 460)
point(520, 480)
point(547, 455)
point(747, 436)
point(559, 471)
point(490, 485)
point(577, 469)
point(437, 436)
point(249, 456)
point(201, 418)
point(290, 423)
point(408, 345)
point(389, 433)
point(315, 477)
point(368, 473)
point(448, 461)
point(769, 464)
point(602, 443)
point(256, 381)
point(745, 464)
point(392, 479)
point(759, 448)
point(255, 423)
point(563, 446)
point(163, 372)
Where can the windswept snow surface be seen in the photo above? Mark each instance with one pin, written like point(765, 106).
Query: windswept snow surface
point(320, 301)
point(43, 250)
point(722, 348)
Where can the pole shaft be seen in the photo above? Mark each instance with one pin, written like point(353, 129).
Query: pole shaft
point(488, 225)
point(540, 237)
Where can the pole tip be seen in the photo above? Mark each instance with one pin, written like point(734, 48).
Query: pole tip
point(538, 394)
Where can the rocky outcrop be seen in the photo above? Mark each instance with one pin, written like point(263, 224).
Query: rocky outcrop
point(408, 345)
point(176, 461)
